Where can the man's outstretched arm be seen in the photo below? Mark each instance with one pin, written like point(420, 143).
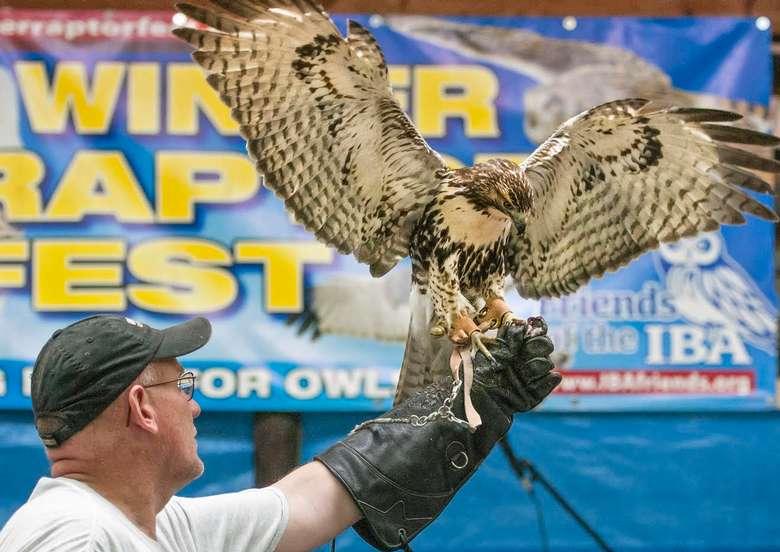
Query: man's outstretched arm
point(320, 507)
point(393, 476)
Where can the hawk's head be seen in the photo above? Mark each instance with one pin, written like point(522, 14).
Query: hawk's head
point(499, 184)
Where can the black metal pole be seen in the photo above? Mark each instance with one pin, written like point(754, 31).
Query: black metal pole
point(520, 465)
point(277, 437)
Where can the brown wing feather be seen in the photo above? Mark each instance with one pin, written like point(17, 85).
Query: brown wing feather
point(320, 121)
point(615, 181)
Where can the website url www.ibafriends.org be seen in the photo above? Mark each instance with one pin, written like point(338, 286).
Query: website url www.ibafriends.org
point(699, 382)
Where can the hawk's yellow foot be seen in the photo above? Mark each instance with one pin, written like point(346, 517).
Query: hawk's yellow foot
point(464, 329)
point(478, 340)
point(461, 329)
point(497, 314)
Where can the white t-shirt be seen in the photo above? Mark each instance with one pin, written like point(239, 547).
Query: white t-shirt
point(64, 515)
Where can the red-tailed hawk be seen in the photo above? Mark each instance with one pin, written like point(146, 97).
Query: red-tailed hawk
point(321, 124)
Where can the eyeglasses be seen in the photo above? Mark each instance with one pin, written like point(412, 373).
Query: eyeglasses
point(185, 383)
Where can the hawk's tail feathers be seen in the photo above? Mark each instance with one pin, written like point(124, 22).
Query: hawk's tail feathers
point(418, 368)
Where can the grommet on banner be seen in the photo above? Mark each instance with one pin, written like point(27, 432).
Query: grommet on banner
point(569, 23)
point(763, 23)
point(376, 21)
point(179, 19)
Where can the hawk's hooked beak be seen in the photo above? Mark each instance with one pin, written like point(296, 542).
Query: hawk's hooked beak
point(519, 221)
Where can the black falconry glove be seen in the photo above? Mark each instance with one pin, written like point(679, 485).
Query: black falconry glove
point(404, 467)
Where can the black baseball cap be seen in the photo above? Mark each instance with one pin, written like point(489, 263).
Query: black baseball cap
point(84, 367)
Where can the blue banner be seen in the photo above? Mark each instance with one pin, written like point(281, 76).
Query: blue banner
point(125, 189)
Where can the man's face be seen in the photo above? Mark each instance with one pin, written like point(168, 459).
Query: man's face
point(179, 450)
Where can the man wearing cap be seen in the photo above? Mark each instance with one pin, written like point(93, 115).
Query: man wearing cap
point(114, 409)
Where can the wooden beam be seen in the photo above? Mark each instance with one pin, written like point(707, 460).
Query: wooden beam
point(648, 8)
point(651, 8)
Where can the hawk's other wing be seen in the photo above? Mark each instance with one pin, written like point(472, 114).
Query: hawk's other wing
point(615, 181)
point(572, 75)
point(320, 121)
point(527, 52)
point(357, 305)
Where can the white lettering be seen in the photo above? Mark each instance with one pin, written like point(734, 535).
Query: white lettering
point(687, 344)
point(217, 383)
point(373, 388)
point(342, 383)
point(726, 341)
point(27, 381)
point(604, 339)
point(303, 383)
point(255, 381)
point(651, 303)
point(655, 344)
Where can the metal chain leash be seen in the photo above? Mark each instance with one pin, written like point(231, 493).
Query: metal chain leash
point(444, 412)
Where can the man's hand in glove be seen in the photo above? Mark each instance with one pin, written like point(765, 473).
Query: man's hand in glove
point(403, 468)
point(523, 375)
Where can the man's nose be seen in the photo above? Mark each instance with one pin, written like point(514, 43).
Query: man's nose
point(195, 408)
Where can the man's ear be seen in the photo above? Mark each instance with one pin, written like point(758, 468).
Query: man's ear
point(142, 413)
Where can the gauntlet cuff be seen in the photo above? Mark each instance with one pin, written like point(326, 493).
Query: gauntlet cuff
point(403, 468)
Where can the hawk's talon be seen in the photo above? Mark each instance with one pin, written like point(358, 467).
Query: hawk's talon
point(483, 321)
point(496, 314)
point(477, 339)
point(509, 319)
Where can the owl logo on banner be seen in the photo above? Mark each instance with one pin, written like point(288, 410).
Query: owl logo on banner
point(709, 288)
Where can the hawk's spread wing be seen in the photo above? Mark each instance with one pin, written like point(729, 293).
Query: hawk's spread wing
point(357, 305)
point(541, 57)
point(572, 75)
point(618, 179)
point(319, 120)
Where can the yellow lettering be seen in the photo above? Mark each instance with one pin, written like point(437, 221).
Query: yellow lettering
point(13, 275)
point(283, 263)
point(188, 91)
point(451, 161)
point(182, 181)
point(188, 272)
point(99, 182)
point(514, 157)
point(48, 108)
point(143, 98)
point(20, 175)
point(467, 92)
point(399, 76)
point(63, 279)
